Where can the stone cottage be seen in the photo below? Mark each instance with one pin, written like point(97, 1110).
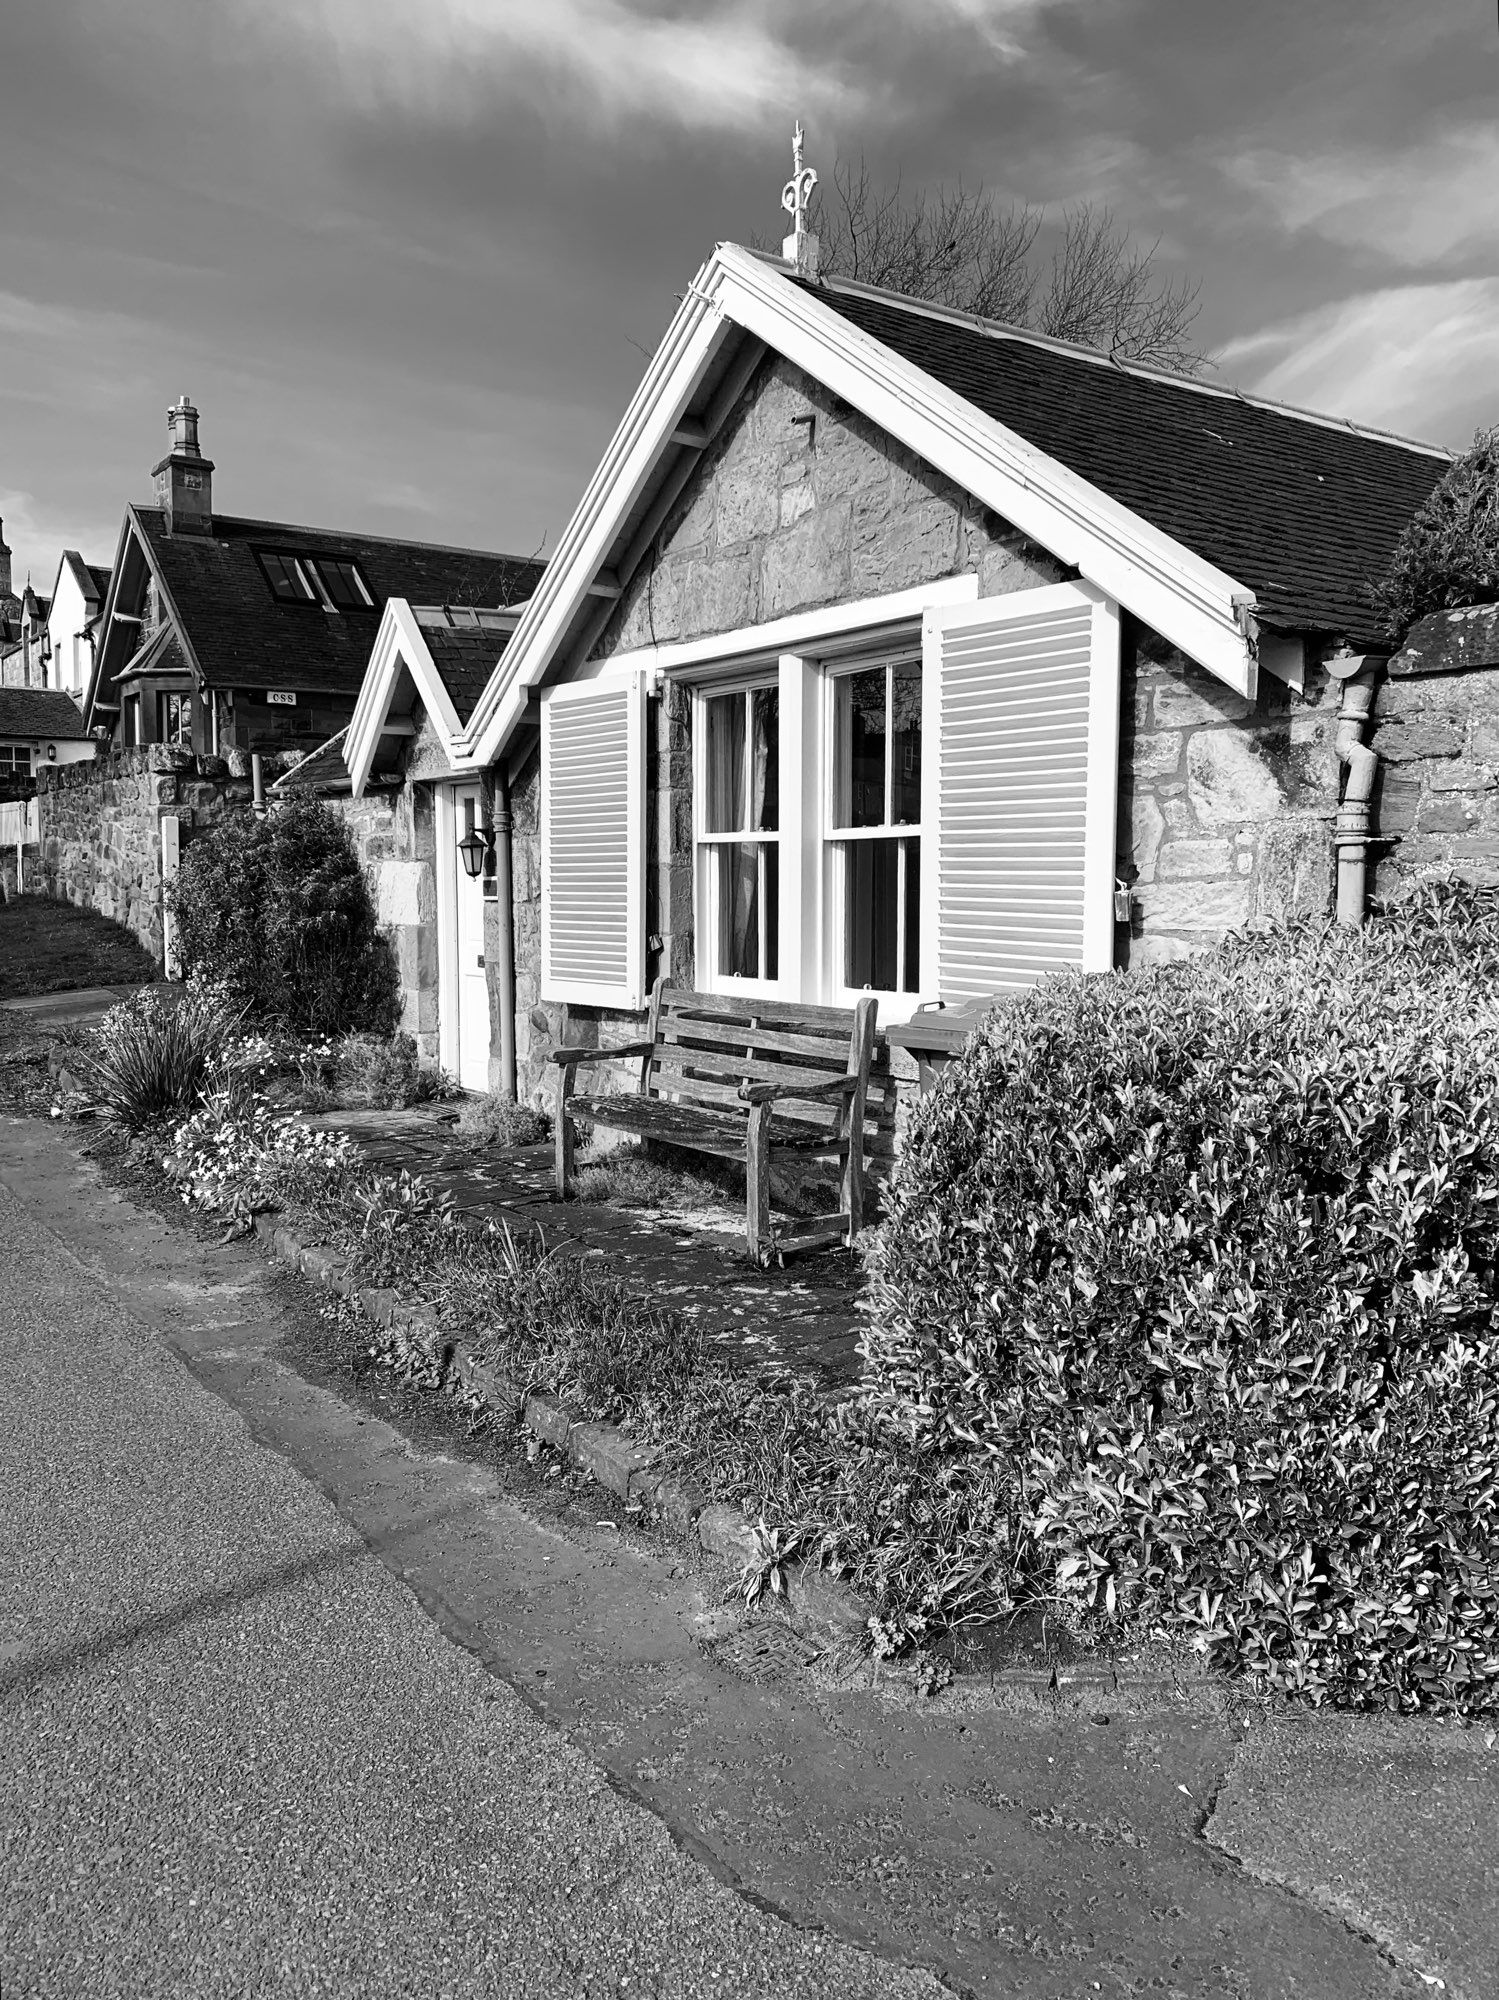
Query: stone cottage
point(893, 651)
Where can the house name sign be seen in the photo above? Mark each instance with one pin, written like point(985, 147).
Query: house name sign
point(280, 700)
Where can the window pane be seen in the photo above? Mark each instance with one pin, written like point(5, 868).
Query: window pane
point(738, 910)
point(285, 577)
point(910, 981)
point(869, 906)
point(771, 864)
point(859, 763)
point(905, 745)
point(344, 585)
point(725, 724)
point(765, 777)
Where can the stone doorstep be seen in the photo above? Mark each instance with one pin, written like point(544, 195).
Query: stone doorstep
point(610, 1454)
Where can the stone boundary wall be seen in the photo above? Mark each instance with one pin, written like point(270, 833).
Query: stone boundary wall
point(101, 827)
point(1436, 798)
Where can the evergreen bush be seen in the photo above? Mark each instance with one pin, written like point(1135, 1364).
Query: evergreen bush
point(1191, 1275)
point(278, 910)
point(1448, 556)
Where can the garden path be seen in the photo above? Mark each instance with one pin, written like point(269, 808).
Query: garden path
point(803, 1317)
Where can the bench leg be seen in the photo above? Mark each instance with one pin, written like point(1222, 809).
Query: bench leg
point(563, 1137)
point(757, 1177)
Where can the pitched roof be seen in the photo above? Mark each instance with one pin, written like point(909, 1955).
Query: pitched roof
point(321, 769)
point(161, 654)
point(464, 659)
point(90, 578)
point(33, 712)
point(243, 636)
point(1305, 510)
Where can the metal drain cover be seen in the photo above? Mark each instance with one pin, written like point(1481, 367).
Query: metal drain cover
point(767, 1651)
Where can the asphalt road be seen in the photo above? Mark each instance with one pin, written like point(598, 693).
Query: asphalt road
point(237, 1758)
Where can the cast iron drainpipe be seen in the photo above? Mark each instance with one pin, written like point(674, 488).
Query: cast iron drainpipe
point(495, 804)
point(1358, 673)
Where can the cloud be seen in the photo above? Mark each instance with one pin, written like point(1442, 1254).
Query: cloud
point(1418, 359)
point(602, 58)
point(1418, 206)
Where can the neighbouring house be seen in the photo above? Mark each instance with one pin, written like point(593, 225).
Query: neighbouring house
point(10, 604)
point(23, 664)
point(428, 667)
point(74, 618)
point(227, 636)
point(891, 651)
point(38, 727)
point(222, 639)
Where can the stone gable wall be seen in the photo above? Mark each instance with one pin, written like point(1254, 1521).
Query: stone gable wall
point(1226, 806)
point(395, 836)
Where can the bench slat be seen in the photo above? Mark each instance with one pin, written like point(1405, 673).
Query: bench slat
point(792, 1014)
point(694, 1126)
point(673, 1060)
point(720, 1035)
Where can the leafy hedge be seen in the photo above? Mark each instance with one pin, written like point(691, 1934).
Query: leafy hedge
point(1190, 1276)
point(1448, 556)
point(278, 911)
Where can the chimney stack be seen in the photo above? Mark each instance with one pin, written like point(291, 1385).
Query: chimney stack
point(184, 478)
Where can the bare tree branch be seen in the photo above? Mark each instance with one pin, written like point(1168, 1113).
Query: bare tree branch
point(959, 247)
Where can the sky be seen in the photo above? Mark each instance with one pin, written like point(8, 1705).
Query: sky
point(409, 257)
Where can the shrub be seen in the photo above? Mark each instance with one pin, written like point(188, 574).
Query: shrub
point(493, 1120)
point(1448, 555)
point(384, 1073)
point(157, 1054)
point(1192, 1272)
point(278, 908)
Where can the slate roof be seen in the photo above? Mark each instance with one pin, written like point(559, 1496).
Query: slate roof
point(244, 637)
point(33, 712)
point(322, 768)
point(92, 580)
point(464, 658)
point(1302, 510)
point(161, 654)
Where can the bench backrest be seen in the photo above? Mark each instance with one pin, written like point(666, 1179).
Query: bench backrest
point(706, 1044)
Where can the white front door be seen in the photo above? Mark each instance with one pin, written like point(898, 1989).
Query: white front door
point(472, 982)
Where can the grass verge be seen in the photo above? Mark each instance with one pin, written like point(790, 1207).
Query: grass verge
point(47, 946)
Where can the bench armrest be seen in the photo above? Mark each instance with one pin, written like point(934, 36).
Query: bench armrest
point(767, 1093)
point(576, 1058)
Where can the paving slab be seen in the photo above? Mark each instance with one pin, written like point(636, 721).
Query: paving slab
point(82, 1004)
point(802, 1317)
point(1393, 1824)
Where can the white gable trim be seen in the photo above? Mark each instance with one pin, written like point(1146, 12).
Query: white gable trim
point(1198, 607)
point(398, 643)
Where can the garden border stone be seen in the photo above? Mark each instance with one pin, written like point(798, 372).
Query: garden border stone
point(605, 1451)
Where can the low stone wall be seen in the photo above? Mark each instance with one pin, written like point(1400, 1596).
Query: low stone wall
point(100, 831)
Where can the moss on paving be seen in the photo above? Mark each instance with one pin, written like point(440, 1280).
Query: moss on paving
point(53, 947)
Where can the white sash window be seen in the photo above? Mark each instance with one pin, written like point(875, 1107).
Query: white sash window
point(873, 829)
point(737, 809)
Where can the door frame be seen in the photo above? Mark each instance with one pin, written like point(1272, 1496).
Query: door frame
point(446, 823)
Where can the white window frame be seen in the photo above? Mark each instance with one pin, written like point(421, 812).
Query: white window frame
point(704, 878)
point(894, 1001)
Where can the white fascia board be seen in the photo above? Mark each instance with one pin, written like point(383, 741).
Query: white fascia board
point(398, 643)
point(645, 432)
point(1189, 601)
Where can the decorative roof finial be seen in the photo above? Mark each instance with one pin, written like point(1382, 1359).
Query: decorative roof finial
point(800, 247)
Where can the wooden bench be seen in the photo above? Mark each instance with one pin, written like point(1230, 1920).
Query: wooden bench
point(734, 1077)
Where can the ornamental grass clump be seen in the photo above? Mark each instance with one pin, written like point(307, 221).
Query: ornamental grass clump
point(1192, 1273)
point(157, 1054)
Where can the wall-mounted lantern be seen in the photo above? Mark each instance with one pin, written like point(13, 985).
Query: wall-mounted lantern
point(472, 849)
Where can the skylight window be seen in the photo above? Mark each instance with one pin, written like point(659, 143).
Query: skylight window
point(287, 576)
point(298, 578)
point(344, 585)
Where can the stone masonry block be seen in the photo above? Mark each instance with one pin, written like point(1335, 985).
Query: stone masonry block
point(1154, 756)
point(1227, 781)
point(548, 1420)
point(612, 1457)
point(1181, 705)
point(1199, 859)
point(723, 1531)
point(807, 564)
point(1202, 907)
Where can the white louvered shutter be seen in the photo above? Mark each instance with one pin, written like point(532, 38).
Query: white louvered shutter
point(592, 843)
point(1020, 773)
